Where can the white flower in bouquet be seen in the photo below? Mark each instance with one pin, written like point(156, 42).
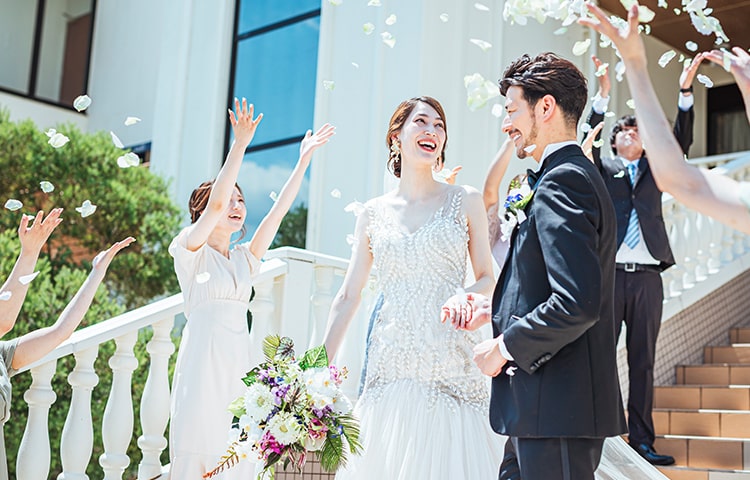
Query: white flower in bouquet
point(319, 381)
point(285, 428)
point(320, 400)
point(341, 404)
point(313, 444)
point(259, 401)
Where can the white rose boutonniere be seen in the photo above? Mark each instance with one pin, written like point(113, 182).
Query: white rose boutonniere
point(519, 196)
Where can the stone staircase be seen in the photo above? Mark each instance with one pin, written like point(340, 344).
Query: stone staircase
point(704, 420)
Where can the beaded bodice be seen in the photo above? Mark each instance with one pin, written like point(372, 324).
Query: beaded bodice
point(417, 272)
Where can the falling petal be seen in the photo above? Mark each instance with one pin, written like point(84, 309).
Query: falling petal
point(82, 102)
point(585, 128)
point(355, 64)
point(481, 7)
point(663, 4)
point(329, 84)
point(481, 44)
point(116, 140)
point(602, 70)
point(58, 140)
point(335, 3)
point(131, 121)
point(390, 20)
point(388, 39)
point(560, 31)
point(5, 296)
point(368, 28)
point(130, 159)
point(51, 132)
point(336, 193)
point(497, 110)
point(479, 91)
point(202, 277)
point(581, 47)
point(620, 70)
point(598, 143)
point(46, 186)
point(274, 196)
point(443, 17)
point(666, 58)
point(530, 148)
point(609, 114)
point(705, 80)
point(355, 207)
point(350, 239)
point(373, 3)
point(27, 279)
point(681, 59)
point(87, 208)
point(677, 11)
point(692, 46)
point(645, 14)
point(631, 104)
point(13, 204)
point(511, 371)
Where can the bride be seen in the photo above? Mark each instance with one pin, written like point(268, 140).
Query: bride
point(424, 407)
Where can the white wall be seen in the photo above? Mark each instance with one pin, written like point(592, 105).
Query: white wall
point(16, 42)
point(45, 116)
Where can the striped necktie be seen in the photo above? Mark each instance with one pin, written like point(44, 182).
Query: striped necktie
point(632, 235)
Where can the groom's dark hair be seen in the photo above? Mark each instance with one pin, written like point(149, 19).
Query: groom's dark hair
point(548, 74)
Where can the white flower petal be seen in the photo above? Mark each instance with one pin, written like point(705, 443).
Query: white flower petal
point(202, 277)
point(481, 44)
point(131, 121)
point(560, 31)
point(58, 140)
point(598, 143)
point(130, 159)
point(581, 47)
point(82, 102)
point(677, 11)
point(444, 17)
point(609, 114)
point(329, 84)
point(86, 209)
point(530, 148)
point(630, 103)
point(336, 193)
point(602, 70)
point(585, 128)
point(355, 207)
point(692, 46)
point(368, 28)
point(335, 3)
point(116, 140)
point(350, 239)
point(481, 7)
point(5, 296)
point(681, 58)
point(12, 204)
point(620, 70)
point(355, 64)
point(663, 4)
point(645, 14)
point(274, 196)
point(50, 132)
point(373, 3)
point(388, 39)
point(46, 186)
point(705, 80)
point(666, 57)
point(27, 279)
point(497, 110)
point(390, 20)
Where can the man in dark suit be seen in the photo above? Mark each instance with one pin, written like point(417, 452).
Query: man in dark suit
point(643, 251)
point(555, 391)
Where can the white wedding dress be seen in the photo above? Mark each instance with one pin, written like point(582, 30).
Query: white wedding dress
point(424, 407)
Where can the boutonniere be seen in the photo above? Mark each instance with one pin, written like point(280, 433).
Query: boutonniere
point(619, 174)
point(519, 195)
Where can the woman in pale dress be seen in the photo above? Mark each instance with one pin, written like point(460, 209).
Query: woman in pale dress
point(216, 282)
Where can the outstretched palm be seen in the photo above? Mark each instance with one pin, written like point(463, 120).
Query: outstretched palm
point(312, 142)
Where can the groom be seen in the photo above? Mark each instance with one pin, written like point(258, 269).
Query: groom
point(555, 390)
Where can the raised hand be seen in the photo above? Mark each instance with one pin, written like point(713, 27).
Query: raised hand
point(312, 142)
point(243, 124)
point(104, 258)
point(627, 40)
point(33, 237)
point(605, 84)
point(450, 178)
point(690, 70)
point(588, 143)
point(739, 65)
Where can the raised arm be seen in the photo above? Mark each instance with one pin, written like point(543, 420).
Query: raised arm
point(32, 239)
point(243, 126)
point(739, 65)
point(596, 117)
point(705, 191)
point(270, 224)
point(348, 298)
point(495, 174)
point(683, 125)
point(35, 345)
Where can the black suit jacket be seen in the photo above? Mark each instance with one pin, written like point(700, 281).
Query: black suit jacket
point(554, 305)
point(644, 196)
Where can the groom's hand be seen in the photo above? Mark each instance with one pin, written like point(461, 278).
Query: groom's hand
point(488, 358)
point(481, 310)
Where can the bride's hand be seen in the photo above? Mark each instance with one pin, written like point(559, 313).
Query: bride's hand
point(458, 310)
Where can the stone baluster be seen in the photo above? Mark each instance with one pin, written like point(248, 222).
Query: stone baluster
point(703, 238)
point(155, 400)
point(33, 459)
point(690, 251)
point(117, 423)
point(714, 248)
point(321, 300)
point(77, 439)
point(676, 240)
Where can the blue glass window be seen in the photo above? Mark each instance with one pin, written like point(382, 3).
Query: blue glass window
point(255, 14)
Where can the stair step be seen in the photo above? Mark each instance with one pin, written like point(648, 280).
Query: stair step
point(735, 353)
point(703, 422)
point(716, 453)
point(687, 473)
point(713, 374)
point(719, 397)
point(739, 335)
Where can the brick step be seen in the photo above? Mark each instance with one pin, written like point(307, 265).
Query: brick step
point(735, 353)
point(739, 335)
point(713, 453)
point(713, 374)
point(735, 397)
point(687, 473)
point(705, 423)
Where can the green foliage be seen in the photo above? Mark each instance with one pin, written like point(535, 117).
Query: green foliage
point(130, 201)
point(316, 357)
point(293, 229)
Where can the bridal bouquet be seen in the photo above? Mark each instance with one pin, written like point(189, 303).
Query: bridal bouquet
point(291, 408)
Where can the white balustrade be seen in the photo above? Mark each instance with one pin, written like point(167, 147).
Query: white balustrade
point(33, 459)
point(117, 423)
point(77, 439)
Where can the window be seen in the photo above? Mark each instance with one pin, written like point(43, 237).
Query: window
point(274, 66)
point(47, 48)
point(728, 130)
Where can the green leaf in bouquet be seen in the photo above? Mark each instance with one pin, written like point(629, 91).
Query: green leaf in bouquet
point(332, 456)
point(251, 377)
point(286, 348)
point(237, 407)
point(314, 358)
point(271, 346)
point(351, 432)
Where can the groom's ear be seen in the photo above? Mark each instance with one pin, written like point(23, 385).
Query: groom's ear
point(547, 106)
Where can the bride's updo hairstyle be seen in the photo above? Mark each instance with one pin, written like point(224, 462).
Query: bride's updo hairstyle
point(398, 119)
point(199, 200)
